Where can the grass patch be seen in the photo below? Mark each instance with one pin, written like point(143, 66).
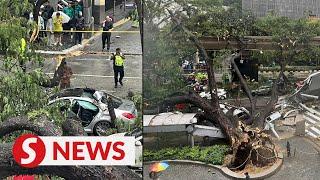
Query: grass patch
point(211, 155)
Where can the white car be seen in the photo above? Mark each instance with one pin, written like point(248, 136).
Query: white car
point(91, 107)
point(222, 94)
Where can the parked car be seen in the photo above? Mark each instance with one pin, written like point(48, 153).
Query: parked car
point(91, 107)
point(130, 5)
point(262, 91)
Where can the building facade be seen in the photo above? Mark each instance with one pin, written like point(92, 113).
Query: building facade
point(288, 8)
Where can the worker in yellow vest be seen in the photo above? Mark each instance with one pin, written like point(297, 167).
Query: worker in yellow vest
point(118, 67)
point(23, 47)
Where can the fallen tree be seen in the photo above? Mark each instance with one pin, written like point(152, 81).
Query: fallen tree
point(44, 127)
point(250, 144)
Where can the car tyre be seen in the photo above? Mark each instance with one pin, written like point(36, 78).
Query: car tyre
point(102, 128)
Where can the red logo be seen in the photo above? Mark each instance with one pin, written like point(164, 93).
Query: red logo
point(29, 150)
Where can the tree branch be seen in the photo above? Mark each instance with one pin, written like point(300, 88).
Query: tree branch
point(243, 82)
point(41, 126)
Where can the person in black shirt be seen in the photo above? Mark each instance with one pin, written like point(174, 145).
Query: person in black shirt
point(79, 27)
point(107, 25)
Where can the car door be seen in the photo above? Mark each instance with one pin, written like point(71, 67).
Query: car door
point(86, 111)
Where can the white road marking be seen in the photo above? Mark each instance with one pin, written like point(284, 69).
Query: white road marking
point(98, 76)
point(91, 59)
point(311, 134)
point(309, 119)
point(315, 130)
point(313, 116)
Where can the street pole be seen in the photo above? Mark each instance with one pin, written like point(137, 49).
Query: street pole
point(125, 2)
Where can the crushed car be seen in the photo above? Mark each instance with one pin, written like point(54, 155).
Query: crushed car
point(91, 107)
point(222, 94)
point(309, 89)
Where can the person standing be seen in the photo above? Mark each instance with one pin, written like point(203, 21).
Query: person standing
point(50, 35)
point(79, 27)
point(77, 8)
point(107, 25)
point(47, 12)
point(118, 67)
point(41, 27)
point(247, 175)
point(66, 75)
point(57, 27)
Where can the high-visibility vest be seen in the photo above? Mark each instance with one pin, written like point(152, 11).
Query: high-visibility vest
point(23, 45)
point(119, 60)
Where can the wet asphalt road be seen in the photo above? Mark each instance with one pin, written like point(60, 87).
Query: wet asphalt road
point(177, 171)
point(305, 165)
point(95, 69)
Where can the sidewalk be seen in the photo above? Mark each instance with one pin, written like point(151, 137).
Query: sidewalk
point(304, 165)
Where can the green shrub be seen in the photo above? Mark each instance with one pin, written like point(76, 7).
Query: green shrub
point(211, 155)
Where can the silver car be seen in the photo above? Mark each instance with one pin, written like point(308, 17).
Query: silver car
point(91, 107)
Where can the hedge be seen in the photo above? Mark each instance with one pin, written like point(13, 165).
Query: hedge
point(211, 155)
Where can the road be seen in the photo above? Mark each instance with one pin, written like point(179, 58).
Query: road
point(304, 165)
point(178, 171)
point(94, 68)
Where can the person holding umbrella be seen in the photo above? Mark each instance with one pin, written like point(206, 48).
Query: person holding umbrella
point(156, 168)
point(57, 27)
point(106, 35)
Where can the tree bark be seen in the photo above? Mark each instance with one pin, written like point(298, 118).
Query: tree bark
point(73, 127)
point(43, 127)
point(111, 111)
point(55, 80)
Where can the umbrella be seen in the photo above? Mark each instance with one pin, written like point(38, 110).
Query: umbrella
point(158, 167)
point(65, 18)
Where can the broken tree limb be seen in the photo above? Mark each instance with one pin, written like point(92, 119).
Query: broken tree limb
point(215, 111)
point(9, 167)
point(111, 111)
point(208, 60)
point(243, 82)
point(73, 127)
point(262, 115)
point(41, 126)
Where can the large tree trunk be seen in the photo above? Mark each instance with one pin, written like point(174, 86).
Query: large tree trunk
point(43, 127)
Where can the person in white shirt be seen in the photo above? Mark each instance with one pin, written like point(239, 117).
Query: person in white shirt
point(50, 32)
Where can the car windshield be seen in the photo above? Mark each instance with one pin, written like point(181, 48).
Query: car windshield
point(87, 105)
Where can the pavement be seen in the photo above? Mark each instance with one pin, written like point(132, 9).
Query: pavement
point(179, 171)
point(304, 165)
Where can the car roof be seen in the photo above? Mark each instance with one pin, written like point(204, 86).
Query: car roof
point(73, 97)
